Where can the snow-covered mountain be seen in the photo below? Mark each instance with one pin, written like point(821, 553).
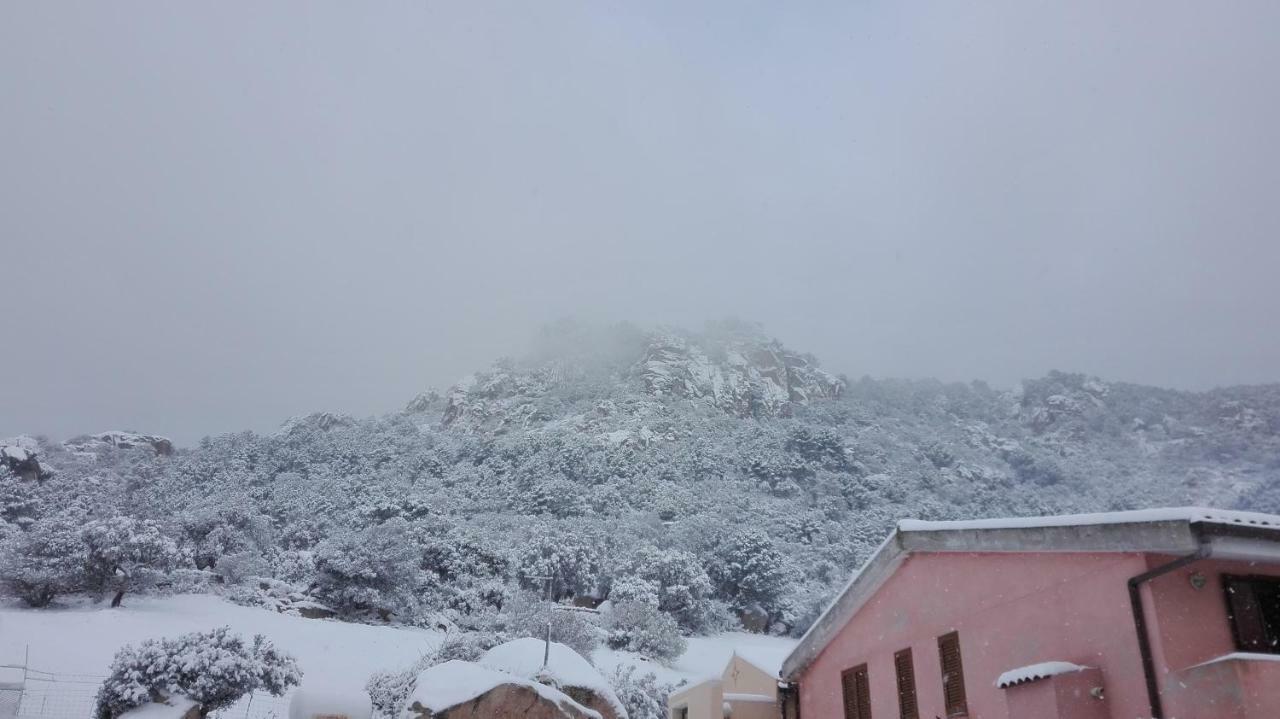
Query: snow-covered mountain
point(717, 473)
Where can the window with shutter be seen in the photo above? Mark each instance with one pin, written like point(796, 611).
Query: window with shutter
point(953, 693)
point(857, 693)
point(906, 672)
point(1253, 608)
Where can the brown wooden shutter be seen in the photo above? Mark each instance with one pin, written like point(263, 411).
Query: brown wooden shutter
point(1245, 612)
point(857, 693)
point(952, 675)
point(907, 707)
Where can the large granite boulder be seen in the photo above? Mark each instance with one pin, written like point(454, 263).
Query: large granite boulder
point(565, 670)
point(466, 690)
point(21, 456)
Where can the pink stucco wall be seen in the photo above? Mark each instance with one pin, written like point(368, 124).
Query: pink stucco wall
point(1012, 610)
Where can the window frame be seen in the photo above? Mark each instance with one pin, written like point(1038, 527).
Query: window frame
point(1269, 639)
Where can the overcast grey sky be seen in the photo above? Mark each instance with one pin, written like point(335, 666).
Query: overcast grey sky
point(217, 215)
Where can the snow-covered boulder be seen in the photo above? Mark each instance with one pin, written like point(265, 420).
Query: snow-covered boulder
point(311, 702)
point(467, 690)
point(565, 670)
point(120, 440)
point(21, 456)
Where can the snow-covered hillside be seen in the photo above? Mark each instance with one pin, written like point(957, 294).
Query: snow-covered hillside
point(705, 480)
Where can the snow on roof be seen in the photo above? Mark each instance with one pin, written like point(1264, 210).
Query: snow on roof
point(1163, 514)
point(455, 682)
point(176, 707)
point(1241, 657)
point(1033, 672)
point(763, 661)
point(762, 698)
point(565, 668)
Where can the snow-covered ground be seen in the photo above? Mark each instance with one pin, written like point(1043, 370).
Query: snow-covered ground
point(337, 655)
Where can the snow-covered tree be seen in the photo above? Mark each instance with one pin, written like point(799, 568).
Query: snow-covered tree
point(46, 560)
point(640, 627)
point(124, 553)
point(213, 668)
point(373, 569)
point(683, 588)
point(750, 572)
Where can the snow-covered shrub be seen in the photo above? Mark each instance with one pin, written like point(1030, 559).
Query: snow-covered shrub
point(643, 628)
point(389, 690)
point(236, 567)
point(570, 557)
point(682, 586)
point(124, 553)
point(643, 696)
point(373, 569)
point(527, 616)
point(750, 571)
point(634, 589)
point(43, 562)
point(467, 646)
point(213, 668)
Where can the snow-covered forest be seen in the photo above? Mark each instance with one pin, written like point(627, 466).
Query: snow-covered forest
point(696, 481)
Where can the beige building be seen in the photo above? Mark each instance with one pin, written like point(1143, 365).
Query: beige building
point(747, 689)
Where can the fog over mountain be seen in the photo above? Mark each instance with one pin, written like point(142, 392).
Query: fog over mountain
point(216, 217)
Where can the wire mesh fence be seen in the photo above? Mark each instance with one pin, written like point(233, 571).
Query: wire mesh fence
point(27, 693)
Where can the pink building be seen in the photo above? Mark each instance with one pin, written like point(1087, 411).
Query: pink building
point(1167, 613)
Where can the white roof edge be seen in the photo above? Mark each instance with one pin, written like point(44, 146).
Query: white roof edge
point(1191, 515)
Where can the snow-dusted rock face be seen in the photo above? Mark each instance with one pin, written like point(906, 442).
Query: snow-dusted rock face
point(736, 370)
point(120, 440)
point(21, 456)
point(750, 376)
point(316, 421)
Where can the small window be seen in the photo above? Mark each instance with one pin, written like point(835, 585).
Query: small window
point(953, 694)
point(906, 671)
point(857, 693)
point(1253, 606)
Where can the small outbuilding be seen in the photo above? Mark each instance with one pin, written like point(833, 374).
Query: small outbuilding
point(746, 689)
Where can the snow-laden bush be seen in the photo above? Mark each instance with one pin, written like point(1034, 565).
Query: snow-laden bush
point(44, 561)
point(643, 628)
point(751, 571)
point(124, 553)
point(681, 585)
point(236, 567)
point(527, 616)
point(373, 569)
point(634, 589)
point(389, 690)
point(643, 696)
point(213, 668)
